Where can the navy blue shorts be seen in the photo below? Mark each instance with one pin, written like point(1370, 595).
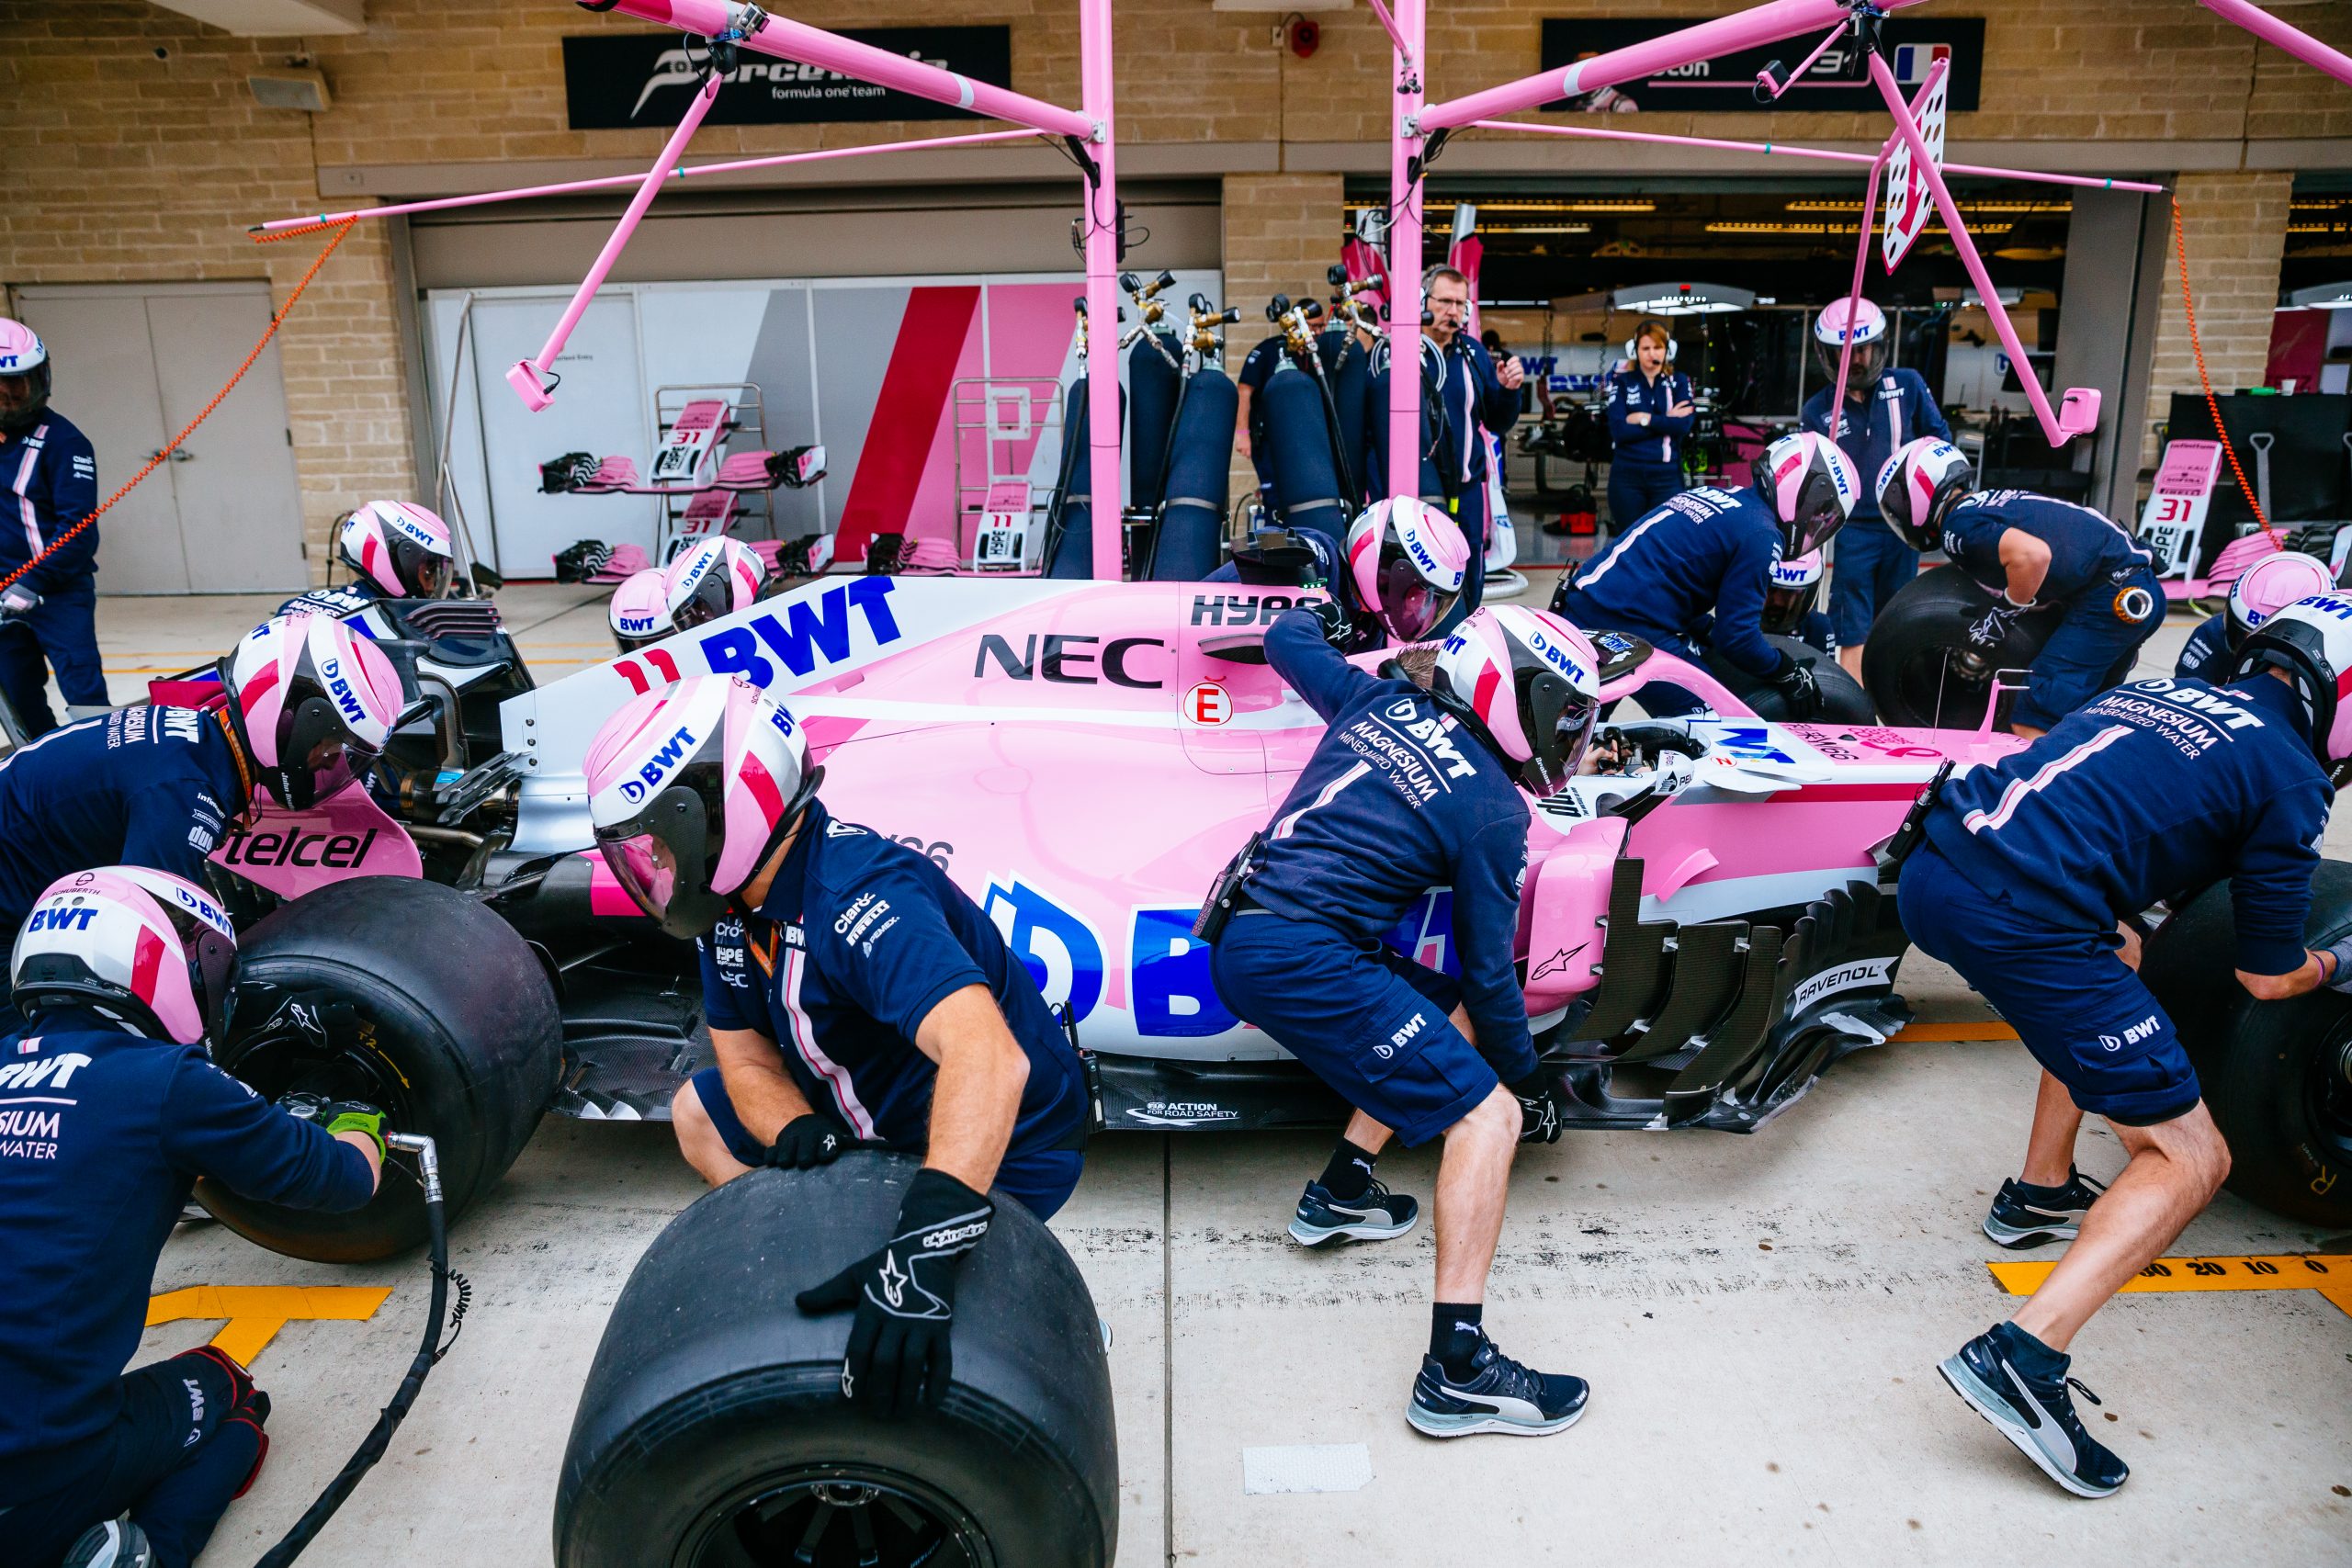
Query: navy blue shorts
point(2098, 633)
point(2088, 1018)
point(1870, 567)
point(1373, 1024)
point(1042, 1179)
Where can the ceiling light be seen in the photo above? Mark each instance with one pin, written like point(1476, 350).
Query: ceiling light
point(2324, 296)
point(1681, 299)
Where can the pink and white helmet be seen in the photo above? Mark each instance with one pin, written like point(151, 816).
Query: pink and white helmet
point(713, 577)
point(1530, 682)
point(2269, 586)
point(141, 947)
point(1919, 485)
point(313, 703)
point(2311, 641)
point(400, 547)
point(23, 354)
point(690, 788)
point(1809, 485)
point(1408, 560)
point(1861, 322)
point(1791, 591)
point(640, 609)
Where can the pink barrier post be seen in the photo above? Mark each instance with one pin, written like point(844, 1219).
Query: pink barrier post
point(1862, 257)
point(765, 34)
point(2270, 29)
point(1405, 253)
point(527, 377)
point(1106, 483)
point(1744, 29)
point(2080, 413)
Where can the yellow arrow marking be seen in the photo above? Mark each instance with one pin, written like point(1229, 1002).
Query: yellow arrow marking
point(256, 1312)
point(1988, 1029)
point(2328, 1273)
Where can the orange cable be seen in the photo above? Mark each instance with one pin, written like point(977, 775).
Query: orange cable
point(164, 455)
point(2181, 244)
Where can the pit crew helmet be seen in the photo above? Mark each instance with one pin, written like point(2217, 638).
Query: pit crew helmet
point(2310, 642)
point(1529, 684)
point(1790, 591)
point(1809, 485)
point(1408, 561)
point(313, 704)
point(640, 610)
point(690, 788)
point(23, 354)
point(714, 578)
point(400, 547)
point(1918, 486)
point(2269, 586)
point(142, 947)
point(1859, 319)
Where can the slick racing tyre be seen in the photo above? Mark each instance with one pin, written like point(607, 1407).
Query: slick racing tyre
point(1843, 700)
point(712, 1432)
point(2276, 1076)
point(1918, 663)
point(456, 1035)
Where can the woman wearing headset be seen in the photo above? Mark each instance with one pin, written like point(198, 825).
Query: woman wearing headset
point(1649, 416)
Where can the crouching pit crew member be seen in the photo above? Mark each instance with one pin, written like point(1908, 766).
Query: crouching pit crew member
point(110, 1108)
point(2027, 868)
point(2261, 590)
point(1709, 552)
point(1416, 784)
point(854, 995)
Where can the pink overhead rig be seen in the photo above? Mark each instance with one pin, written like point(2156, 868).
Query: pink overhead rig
point(2270, 29)
point(1419, 131)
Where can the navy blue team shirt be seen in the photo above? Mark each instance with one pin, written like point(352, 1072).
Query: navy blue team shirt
point(2147, 792)
point(102, 1134)
point(49, 481)
point(1399, 798)
point(859, 939)
point(1658, 441)
point(2206, 655)
point(1704, 551)
point(152, 786)
point(2088, 549)
point(1900, 410)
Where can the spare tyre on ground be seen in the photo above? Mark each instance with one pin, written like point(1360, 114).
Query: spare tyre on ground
point(453, 1030)
point(712, 1432)
point(2276, 1076)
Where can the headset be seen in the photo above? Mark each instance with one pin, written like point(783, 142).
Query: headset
point(1672, 347)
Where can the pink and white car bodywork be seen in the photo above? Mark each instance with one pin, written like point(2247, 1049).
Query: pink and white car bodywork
point(1083, 758)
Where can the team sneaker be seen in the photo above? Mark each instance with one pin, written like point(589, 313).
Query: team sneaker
point(118, 1543)
point(2034, 1413)
point(2027, 1216)
point(1500, 1396)
point(1377, 1214)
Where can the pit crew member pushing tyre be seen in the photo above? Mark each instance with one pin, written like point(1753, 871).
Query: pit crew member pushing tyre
point(2025, 870)
point(909, 1024)
point(110, 1108)
point(1416, 784)
point(1711, 552)
point(48, 482)
point(2261, 590)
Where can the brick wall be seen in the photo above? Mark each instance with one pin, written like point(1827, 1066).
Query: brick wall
point(2237, 228)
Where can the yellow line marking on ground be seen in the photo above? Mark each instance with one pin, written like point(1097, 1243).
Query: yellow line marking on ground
point(2328, 1273)
point(1986, 1029)
point(256, 1312)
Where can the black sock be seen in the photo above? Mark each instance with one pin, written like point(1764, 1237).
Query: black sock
point(2035, 1188)
point(1455, 1334)
point(1349, 1175)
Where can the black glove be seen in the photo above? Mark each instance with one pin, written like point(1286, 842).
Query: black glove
point(1542, 1101)
point(1338, 630)
point(1993, 629)
point(1798, 688)
point(905, 1295)
point(810, 1139)
point(320, 1021)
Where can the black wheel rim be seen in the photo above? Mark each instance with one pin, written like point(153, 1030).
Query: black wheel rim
point(2328, 1092)
point(1941, 687)
point(836, 1516)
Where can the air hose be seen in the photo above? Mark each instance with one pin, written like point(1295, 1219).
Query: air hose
point(371, 1448)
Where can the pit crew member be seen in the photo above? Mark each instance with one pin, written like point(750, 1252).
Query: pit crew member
point(1400, 575)
point(709, 579)
point(1417, 784)
point(1885, 410)
point(309, 703)
point(48, 482)
point(2261, 590)
point(2027, 868)
point(109, 1108)
point(1650, 411)
point(1790, 602)
point(908, 1023)
point(1711, 552)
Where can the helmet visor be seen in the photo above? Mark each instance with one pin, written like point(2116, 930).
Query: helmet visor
point(432, 574)
point(1784, 607)
point(710, 600)
point(1409, 603)
point(644, 864)
point(1818, 516)
point(1870, 358)
point(1561, 750)
point(661, 858)
point(320, 758)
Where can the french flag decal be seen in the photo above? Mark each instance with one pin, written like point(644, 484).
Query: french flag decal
point(1912, 61)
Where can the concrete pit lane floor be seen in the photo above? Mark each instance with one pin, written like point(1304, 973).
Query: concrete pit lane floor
point(1760, 1318)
